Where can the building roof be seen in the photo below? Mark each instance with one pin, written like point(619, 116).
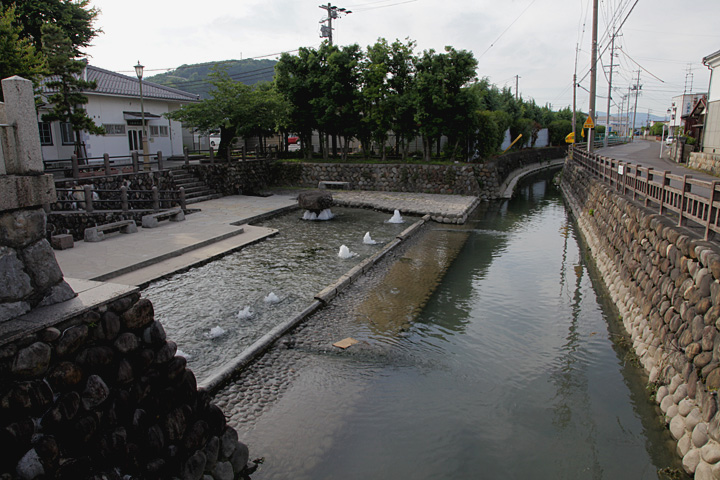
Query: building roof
point(711, 57)
point(111, 83)
point(116, 84)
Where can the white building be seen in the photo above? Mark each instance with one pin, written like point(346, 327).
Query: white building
point(711, 129)
point(115, 105)
point(681, 107)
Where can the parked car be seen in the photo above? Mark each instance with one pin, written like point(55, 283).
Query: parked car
point(669, 140)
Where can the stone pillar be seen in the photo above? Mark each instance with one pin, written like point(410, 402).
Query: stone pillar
point(29, 273)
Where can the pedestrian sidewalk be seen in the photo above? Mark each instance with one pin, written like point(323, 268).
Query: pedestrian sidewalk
point(152, 253)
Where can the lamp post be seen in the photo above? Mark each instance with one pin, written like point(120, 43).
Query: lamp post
point(146, 158)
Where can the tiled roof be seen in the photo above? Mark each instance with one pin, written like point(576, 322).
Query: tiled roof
point(112, 83)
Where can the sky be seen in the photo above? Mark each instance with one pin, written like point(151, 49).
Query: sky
point(535, 40)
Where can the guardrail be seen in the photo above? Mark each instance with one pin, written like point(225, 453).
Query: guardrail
point(654, 189)
point(92, 167)
point(91, 200)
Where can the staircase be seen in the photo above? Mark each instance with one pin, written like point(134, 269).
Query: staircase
point(195, 189)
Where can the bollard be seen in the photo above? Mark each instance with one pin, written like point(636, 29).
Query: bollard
point(135, 162)
point(160, 160)
point(124, 198)
point(212, 156)
point(183, 203)
point(75, 166)
point(89, 207)
point(187, 157)
point(156, 198)
point(106, 161)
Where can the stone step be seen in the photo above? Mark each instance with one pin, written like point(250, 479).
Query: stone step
point(202, 199)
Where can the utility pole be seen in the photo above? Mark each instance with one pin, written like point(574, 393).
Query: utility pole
point(517, 77)
point(607, 119)
point(332, 12)
point(593, 77)
point(637, 92)
point(574, 133)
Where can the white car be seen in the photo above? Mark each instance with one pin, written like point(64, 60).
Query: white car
point(669, 140)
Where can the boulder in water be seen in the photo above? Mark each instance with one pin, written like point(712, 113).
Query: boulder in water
point(315, 201)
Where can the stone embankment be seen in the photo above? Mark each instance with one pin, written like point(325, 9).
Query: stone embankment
point(665, 283)
point(103, 395)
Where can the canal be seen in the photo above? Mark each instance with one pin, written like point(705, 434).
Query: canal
point(485, 351)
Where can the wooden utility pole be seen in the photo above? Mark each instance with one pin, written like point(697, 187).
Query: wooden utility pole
point(593, 77)
point(637, 92)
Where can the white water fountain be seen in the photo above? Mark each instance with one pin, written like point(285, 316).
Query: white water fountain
point(271, 298)
point(323, 215)
point(396, 218)
point(345, 252)
point(244, 313)
point(367, 239)
point(215, 332)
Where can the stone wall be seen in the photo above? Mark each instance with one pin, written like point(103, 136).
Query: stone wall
point(707, 162)
point(103, 395)
point(250, 177)
point(665, 282)
point(478, 179)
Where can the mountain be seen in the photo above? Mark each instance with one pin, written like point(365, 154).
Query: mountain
point(194, 78)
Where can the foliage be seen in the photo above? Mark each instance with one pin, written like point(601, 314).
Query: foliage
point(558, 130)
point(18, 55)
point(74, 18)
point(66, 85)
point(657, 129)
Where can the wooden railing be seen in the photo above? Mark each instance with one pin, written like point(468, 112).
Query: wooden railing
point(91, 200)
point(682, 195)
point(105, 165)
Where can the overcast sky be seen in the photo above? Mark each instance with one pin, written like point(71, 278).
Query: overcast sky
point(535, 39)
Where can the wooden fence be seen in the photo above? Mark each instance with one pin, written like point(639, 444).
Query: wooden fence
point(688, 199)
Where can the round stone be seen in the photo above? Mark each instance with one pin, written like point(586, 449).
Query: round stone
point(691, 460)
point(710, 452)
point(677, 427)
point(700, 435)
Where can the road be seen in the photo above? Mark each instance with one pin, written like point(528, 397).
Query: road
point(647, 153)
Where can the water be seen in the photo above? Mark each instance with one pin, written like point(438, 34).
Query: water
point(216, 311)
point(510, 368)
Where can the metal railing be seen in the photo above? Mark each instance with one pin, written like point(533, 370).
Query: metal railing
point(689, 198)
point(90, 200)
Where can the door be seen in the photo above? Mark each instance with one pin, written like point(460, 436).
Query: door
point(135, 139)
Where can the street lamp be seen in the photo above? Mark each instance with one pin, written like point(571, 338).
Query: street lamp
point(146, 158)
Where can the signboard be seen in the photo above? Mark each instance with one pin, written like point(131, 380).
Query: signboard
point(621, 169)
point(570, 138)
point(589, 123)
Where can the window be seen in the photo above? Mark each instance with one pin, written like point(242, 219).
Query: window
point(158, 130)
point(66, 132)
point(45, 133)
point(114, 128)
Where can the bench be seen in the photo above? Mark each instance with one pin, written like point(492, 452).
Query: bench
point(97, 233)
point(174, 215)
point(337, 185)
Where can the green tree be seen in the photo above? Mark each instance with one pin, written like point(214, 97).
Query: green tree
point(402, 84)
point(74, 18)
point(65, 85)
point(558, 130)
point(18, 55)
point(376, 118)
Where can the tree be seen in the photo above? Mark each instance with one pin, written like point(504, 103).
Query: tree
point(66, 85)
point(18, 55)
point(73, 17)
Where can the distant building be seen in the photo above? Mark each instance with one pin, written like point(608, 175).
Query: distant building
point(711, 129)
point(682, 106)
point(115, 105)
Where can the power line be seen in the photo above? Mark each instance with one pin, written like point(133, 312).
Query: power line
point(508, 28)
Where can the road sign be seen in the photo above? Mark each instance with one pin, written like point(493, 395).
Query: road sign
point(570, 138)
point(589, 123)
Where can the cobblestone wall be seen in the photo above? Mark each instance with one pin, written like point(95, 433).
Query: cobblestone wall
point(665, 282)
point(103, 395)
point(479, 179)
point(707, 162)
point(233, 178)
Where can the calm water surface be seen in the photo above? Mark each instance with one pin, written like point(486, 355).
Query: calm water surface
point(510, 370)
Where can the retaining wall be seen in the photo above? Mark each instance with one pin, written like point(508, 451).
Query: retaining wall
point(234, 178)
point(479, 179)
point(707, 162)
point(664, 281)
point(101, 394)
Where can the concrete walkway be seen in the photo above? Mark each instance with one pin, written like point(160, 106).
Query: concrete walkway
point(151, 253)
